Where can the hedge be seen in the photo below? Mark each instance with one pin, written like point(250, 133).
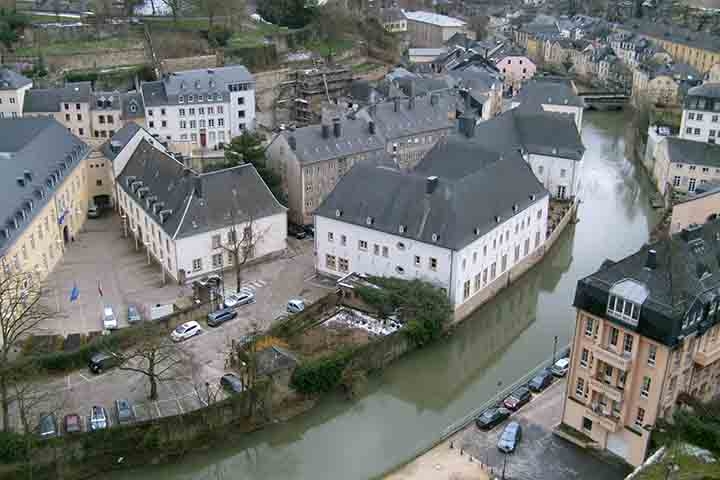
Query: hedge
point(14, 447)
point(321, 375)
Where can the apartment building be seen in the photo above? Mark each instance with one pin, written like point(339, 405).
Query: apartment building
point(663, 83)
point(552, 95)
point(701, 113)
point(45, 194)
point(387, 222)
point(646, 331)
point(516, 67)
point(69, 105)
point(13, 87)
point(200, 109)
point(681, 165)
point(190, 222)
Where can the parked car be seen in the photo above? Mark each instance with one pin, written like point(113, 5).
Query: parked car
point(310, 230)
point(510, 437)
point(296, 305)
point(231, 382)
point(47, 426)
point(243, 297)
point(540, 381)
point(102, 361)
point(109, 319)
point(219, 317)
point(518, 398)
point(296, 231)
point(98, 418)
point(94, 211)
point(210, 281)
point(186, 330)
point(133, 314)
point(491, 417)
point(561, 367)
point(72, 423)
point(124, 412)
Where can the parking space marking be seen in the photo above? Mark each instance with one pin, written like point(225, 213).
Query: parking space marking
point(179, 406)
point(157, 407)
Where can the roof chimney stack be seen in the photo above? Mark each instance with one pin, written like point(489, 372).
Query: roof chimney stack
point(431, 184)
point(466, 125)
point(411, 103)
point(337, 128)
point(371, 127)
point(396, 105)
point(292, 142)
point(651, 261)
point(325, 130)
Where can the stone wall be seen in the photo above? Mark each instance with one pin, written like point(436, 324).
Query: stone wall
point(49, 34)
point(189, 63)
point(267, 85)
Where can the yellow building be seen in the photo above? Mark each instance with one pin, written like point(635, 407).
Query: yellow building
point(646, 331)
point(45, 193)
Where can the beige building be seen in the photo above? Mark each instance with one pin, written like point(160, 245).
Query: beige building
point(432, 30)
point(640, 341)
point(12, 92)
point(45, 199)
point(393, 20)
point(681, 165)
point(696, 209)
point(662, 84)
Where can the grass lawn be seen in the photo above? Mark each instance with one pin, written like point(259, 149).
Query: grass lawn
point(182, 23)
point(73, 47)
point(253, 37)
point(38, 18)
point(365, 67)
point(688, 468)
point(326, 48)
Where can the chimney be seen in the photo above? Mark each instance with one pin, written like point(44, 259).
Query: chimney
point(325, 130)
point(371, 127)
point(396, 105)
point(466, 125)
point(197, 186)
point(292, 142)
point(433, 99)
point(651, 261)
point(337, 128)
point(431, 184)
point(411, 103)
point(21, 181)
point(28, 176)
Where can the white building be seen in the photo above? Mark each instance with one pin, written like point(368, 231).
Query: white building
point(190, 222)
point(418, 224)
point(701, 114)
point(12, 93)
point(200, 109)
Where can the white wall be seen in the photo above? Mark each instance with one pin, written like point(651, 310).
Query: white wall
point(555, 171)
point(269, 233)
point(11, 102)
point(122, 158)
point(703, 127)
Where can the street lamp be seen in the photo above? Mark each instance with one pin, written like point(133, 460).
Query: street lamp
point(147, 249)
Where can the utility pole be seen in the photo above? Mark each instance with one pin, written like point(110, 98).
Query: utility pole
point(554, 349)
point(505, 457)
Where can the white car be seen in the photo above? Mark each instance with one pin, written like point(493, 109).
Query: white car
point(109, 319)
point(560, 368)
point(243, 297)
point(186, 330)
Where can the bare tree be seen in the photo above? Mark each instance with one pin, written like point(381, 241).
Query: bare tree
point(30, 397)
point(242, 238)
point(21, 312)
point(155, 356)
point(175, 7)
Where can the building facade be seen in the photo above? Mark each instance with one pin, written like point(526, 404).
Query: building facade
point(681, 165)
point(703, 206)
point(432, 30)
point(701, 113)
point(13, 87)
point(642, 339)
point(663, 84)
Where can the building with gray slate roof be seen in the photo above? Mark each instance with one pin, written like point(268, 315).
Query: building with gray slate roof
point(681, 165)
point(646, 334)
point(192, 222)
point(552, 95)
point(44, 194)
point(417, 224)
point(13, 87)
point(701, 113)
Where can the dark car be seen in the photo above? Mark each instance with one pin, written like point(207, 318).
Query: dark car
point(102, 361)
point(296, 231)
point(518, 398)
point(133, 314)
point(510, 437)
point(491, 417)
point(232, 383)
point(541, 381)
point(310, 230)
point(47, 426)
point(72, 423)
point(124, 412)
point(221, 316)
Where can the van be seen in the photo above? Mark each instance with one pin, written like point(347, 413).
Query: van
point(102, 361)
point(296, 305)
point(561, 367)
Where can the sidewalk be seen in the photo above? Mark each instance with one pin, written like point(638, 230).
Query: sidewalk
point(441, 463)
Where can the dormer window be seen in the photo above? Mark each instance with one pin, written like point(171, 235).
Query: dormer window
point(181, 99)
point(338, 213)
point(625, 301)
point(435, 237)
point(369, 221)
point(402, 229)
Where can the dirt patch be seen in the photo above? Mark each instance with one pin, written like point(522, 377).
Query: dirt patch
point(322, 340)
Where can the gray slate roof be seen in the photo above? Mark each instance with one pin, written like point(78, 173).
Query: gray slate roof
point(687, 270)
point(681, 150)
point(199, 202)
point(674, 33)
point(119, 140)
point(556, 92)
point(707, 89)
point(11, 80)
point(35, 145)
point(423, 117)
point(393, 198)
point(193, 82)
point(355, 138)
point(49, 99)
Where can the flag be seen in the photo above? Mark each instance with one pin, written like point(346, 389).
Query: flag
point(74, 293)
point(100, 289)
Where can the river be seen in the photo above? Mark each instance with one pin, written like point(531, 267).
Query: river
point(408, 405)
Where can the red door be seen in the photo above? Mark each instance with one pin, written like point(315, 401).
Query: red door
point(203, 139)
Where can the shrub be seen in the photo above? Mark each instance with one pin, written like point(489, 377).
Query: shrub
point(219, 36)
point(14, 447)
point(321, 375)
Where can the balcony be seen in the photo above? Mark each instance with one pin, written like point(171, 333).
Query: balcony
point(605, 419)
point(611, 392)
point(707, 357)
point(612, 358)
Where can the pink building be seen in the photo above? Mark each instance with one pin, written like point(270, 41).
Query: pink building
point(515, 67)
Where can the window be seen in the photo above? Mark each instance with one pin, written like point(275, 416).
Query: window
point(645, 388)
point(331, 237)
point(652, 354)
point(466, 290)
point(385, 252)
point(110, 119)
point(676, 181)
point(197, 264)
point(98, 183)
point(433, 263)
point(493, 270)
point(201, 111)
point(81, 131)
point(696, 131)
point(330, 262)
point(417, 260)
point(151, 124)
point(699, 117)
point(241, 113)
point(67, 117)
point(623, 309)
point(628, 343)
point(162, 111)
point(640, 418)
point(477, 282)
point(344, 265)
point(183, 124)
point(163, 123)
point(614, 334)
point(241, 100)
point(580, 387)
point(343, 240)
point(231, 237)
point(181, 99)
point(216, 241)
point(217, 260)
point(193, 123)
point(221, 123)
point(589, 327)
point(67, 107)
point(181, 112)
point(691, 185)
point(587, 424)
point(362, 245)
point(563, 172)
point(691, 116)
point(376, 249)
point(584, 357)
point(220, 109)
point(688, 130)
point(714, 118)
point(77, 106)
